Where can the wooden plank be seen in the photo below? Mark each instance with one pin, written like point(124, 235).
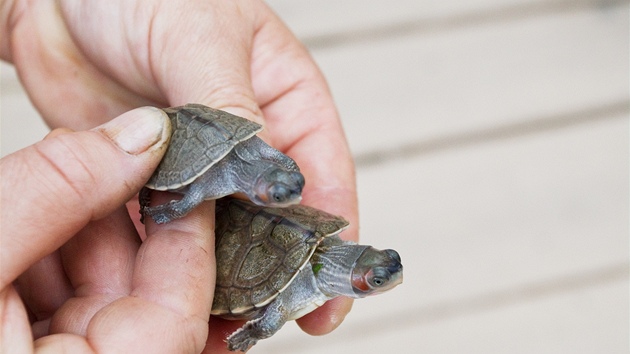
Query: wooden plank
point(504, 213)
point(20, 124)
point(416, 88)
point(328, 22)
point(593, 320)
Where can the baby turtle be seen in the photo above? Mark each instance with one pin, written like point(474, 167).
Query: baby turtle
point(278, 264)
point(213, 154)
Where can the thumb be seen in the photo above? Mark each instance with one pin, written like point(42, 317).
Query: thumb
point(51, 190)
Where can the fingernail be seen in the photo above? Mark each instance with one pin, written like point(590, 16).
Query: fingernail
point(138, 130)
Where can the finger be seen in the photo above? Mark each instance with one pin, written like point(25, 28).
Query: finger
point(99, 263)
point(50, 190)
point(100, 258)
point(334, 192)
point(44, 288)
point(219, 330)
point(56, 132)
point(327, 318)
point(176, 263)
point(53, 69)
point(172, 289)
point(302, 120)
point(16, 333)
point(298, 104)
point(133, 208)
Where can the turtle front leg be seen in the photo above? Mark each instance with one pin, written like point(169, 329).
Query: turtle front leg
point(172, 210)
point(261, 327)
point(144, 199)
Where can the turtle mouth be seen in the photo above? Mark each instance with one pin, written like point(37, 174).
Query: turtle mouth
point(278, 195)
point(360, 284)
point(280, 188)
point(284, 196)
point(372, 283)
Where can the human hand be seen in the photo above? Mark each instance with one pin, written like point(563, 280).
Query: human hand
point(98, 287)
point(84, 62)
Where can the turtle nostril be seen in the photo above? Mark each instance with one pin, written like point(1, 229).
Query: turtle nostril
point(394, 268)
point(394, 255)
point(299, 179)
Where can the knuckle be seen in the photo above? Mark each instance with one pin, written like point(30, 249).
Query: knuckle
point(66, 171)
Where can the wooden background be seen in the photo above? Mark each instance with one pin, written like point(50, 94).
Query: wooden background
point(491, 140)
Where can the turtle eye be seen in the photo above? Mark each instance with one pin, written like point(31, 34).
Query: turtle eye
point(279, 194)
point(378, 281)
point(380, 277)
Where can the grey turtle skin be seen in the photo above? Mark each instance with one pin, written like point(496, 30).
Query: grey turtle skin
point(278, 264)
point(212, 154)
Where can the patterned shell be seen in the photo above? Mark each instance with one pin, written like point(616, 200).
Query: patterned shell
point(201, 136)
point(260, 250)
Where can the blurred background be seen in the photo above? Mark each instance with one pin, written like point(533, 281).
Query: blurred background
point(491, 141)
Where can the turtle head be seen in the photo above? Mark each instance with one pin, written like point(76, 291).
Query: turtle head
point(278, 187)
point(376, 271)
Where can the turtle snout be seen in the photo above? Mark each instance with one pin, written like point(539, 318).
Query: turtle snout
point(298, 178)
point(395, 264)
point(393, 255)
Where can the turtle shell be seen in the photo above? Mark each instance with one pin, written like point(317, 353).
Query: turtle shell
point(260, 250)
point(201, 136)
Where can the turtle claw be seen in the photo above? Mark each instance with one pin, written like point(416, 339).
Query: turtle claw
point(240, 340)
point(164, 213)
point(160, 218)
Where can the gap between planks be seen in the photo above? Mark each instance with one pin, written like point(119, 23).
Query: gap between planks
point(469, 19)
point(614, 110)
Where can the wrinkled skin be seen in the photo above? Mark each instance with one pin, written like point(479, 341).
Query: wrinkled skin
point(85, 62)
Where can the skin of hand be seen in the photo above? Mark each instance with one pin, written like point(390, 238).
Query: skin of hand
point(71, 252)
point(83, 62)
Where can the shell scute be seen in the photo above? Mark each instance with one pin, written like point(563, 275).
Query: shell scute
point(201, 136)
point(261, 294)
point(253, 271)
point(294, 259)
